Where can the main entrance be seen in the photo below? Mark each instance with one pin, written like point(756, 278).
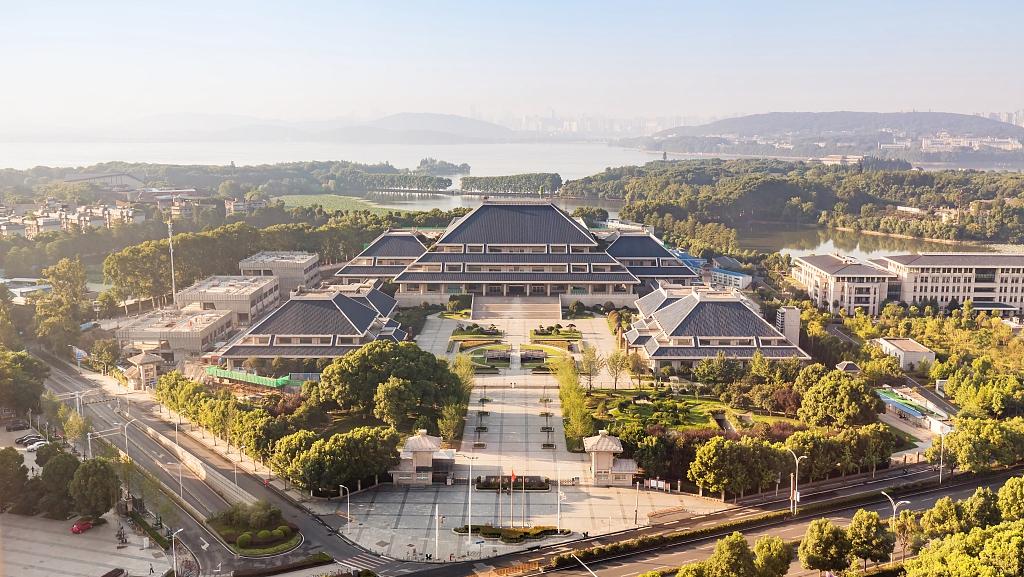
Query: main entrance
point(517, 308)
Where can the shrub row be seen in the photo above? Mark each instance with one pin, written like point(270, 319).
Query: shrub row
point(509, 535)
point(315, 560)
point(152, 532)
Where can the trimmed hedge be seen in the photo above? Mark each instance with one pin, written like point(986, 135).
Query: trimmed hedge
point(153, 533)
point(314, 560)
point(244, 540)
point(508, 535)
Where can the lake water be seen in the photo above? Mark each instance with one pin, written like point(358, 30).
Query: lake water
point(806, 240)
point(570, 160)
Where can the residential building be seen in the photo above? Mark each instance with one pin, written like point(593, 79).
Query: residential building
point(176, 335)
point(384, 258)
point(247, 297)
point(993, 282)
point(837, 282)
point(318, 325)
point(910, 352)
point(646, 258)
point(12, 228)
point(605, 468)
point(41, 225)
point(517, 248)
point(294, 270)
point(732, 279)
point(242, 206)
point(680, 326)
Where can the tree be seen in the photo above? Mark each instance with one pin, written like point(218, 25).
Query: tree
point(591, 363)
point(106, 352)
point(772, 556)
point(809, 376)
point(944, 518)
point(13, 475)
point(1011, 499)
point(59, 312)
point(716, 370)
point(617, 364)
point(95, 487)
point(47, 452)
point(732, 557)
point(719, 466)
point(870, 539)
point(393, 401)
point(982, 509)
point(907, 529)
point(75, 427)
point(825, 547)
point(57, 476)
point(21, 380)
point(839, 400)
point(450, 421)
point(286, 452)
point(996, 551)
point(652, 454)
point(637, 366)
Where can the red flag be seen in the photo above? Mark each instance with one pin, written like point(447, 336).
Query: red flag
point(513, 475)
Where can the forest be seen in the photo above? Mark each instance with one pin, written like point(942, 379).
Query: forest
point(531, 183)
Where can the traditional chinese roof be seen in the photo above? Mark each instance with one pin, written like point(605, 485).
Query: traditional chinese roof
point(510, 223)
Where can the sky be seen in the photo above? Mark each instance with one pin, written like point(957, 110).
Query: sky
point(83, 64)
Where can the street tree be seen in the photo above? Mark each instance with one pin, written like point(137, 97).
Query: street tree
point(13, 475)
point(95, 487)
point(21, 380)
point(825, 547)
point(772, 556)
point(450, 421)
point(944, 518)
point(106, 352)
point(732, 557)
point(56, 477)
point(839, 400)
point(591, 364)
point(982, 509)
point(75, 427)
point(1011, 499)
point(870, 538)
point(59, 312)
point(617, 365)
point(637, 367)
point(907, 529)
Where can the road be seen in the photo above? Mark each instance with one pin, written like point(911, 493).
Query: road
point(838, 332)
point(319, 535)
point(930, 394)
point(789, 530)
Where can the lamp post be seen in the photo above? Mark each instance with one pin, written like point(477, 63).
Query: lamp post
point(469, 492)
point(795, 485)
point(348, 505)
point(895, 505)
point(126, 435)
point(181, 489)
point(174, 551)
point(942, 454)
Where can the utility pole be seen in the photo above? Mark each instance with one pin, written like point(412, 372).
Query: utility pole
point(170, 246)
point(942, 451)
point(437, 529)
point(636, 506)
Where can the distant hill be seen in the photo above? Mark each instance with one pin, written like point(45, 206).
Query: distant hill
point(420, 122)
point(843, 122)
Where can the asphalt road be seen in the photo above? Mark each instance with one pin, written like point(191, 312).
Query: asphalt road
point(789, 530)
point(320, 534)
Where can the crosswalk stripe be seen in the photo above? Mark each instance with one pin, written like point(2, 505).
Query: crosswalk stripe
point(362, 561)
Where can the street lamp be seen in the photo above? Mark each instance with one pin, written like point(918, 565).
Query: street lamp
point(895, 506)
point(942, 454)
point(181, 490)
point(795, 485)
point(174, 551)
point(348, 505)
point(469, 513)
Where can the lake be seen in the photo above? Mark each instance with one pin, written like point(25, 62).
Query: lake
point(570, 160)
point(799, 241)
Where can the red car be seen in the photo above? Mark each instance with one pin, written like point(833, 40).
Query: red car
point(81, 526)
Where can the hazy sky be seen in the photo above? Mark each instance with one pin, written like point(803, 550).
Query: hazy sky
point(87, 63)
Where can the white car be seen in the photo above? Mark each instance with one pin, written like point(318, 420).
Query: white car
point(35, 446)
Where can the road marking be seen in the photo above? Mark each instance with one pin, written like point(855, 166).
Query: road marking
point(205, 545)
point(535, 559)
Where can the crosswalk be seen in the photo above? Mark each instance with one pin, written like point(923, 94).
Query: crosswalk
point(362, 561)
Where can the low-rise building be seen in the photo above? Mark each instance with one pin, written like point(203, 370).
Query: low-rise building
point(680, 326)
point(606, 469)
point(384, 258)
point(176, 335)
point(317, 325)
point(234, 206)
point(248, 297)
point(836, 282)
point(729, 278)
point(647, 259)
point(294, 269)
point(909, 352)
point(421, 459)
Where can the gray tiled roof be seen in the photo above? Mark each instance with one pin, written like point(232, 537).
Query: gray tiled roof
point(968, 259)
point(732, 352)
point(638, 245)
point(370, 271)
point(263, 351)
point(653, 301)
point(517, 258)
point(518, 277)
point(383, 303)
point(517, 223)
point(836, 266)
point(694, 317)
point(394, 244)
point(316, 315)
point(662, 271)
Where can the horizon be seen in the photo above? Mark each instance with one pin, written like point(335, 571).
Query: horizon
point(328, 64)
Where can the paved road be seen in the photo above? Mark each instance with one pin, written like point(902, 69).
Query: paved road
point(840, 333)
point(930, 394)
point(790, 530)
point(320, 534)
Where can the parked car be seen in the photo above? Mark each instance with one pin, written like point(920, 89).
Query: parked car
point(29, 440)
point(21, 440)
point(35, 446)
point(18, 425)
point(81, 526)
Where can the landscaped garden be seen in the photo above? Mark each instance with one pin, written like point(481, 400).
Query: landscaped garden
point(256, 530)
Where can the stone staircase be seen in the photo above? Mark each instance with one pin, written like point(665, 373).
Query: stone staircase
point(485, 308)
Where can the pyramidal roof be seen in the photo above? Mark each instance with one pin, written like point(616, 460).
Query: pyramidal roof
point(517, 223)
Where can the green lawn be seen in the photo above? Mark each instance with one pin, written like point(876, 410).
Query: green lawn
point(331, 202)
point(343, 422)
point(680, 412)
point(904, 439)
point(561, 335)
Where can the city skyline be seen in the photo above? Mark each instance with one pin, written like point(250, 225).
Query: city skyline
point(322, 61)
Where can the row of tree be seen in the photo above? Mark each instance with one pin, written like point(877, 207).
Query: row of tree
point(529, 183)
point(64, 485)
point(981, 444)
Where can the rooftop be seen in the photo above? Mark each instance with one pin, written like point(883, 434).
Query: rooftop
point(187, 320)
point(522, 223)
point(964, 259)
point(321, 313)
point(421, 441)
point(906, 345)
point(394, 244)
point(837, 265)
point(602, 442)
point(638, 246)
point(231, 285)
point(267, 257)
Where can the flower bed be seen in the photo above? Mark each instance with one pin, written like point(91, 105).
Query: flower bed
point(508, 535)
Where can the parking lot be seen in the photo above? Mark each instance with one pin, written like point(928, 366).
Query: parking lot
point(40, 547)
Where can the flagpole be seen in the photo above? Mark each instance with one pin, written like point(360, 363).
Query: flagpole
point(523, 499)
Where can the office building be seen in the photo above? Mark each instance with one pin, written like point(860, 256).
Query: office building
point(247, 297)
point(294, 270)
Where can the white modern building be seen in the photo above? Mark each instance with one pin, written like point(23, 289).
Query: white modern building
point(836, 282)
point(176, 335)
point(909, 352)
point(731, 279)
point(248, 297)
point(293, 269)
